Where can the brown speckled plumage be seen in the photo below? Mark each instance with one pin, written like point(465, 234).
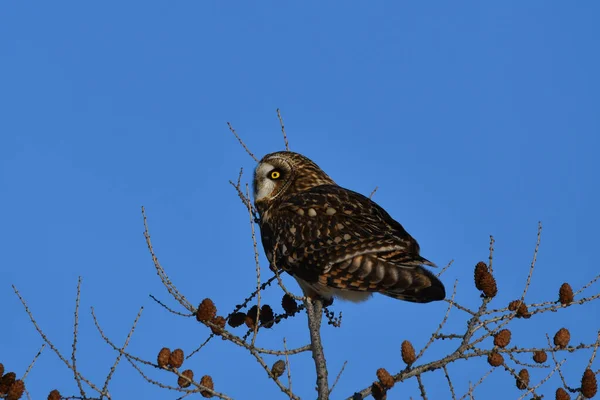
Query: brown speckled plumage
point(334, 241)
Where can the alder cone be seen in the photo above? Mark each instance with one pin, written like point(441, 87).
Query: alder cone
point(523, 379)
point(207, 382)
point(266, 316)
point(176, 358)
point(565, 294)
point(278, 368)
point(163, 357)
point(520, 307)
point(561, 394)
point(385, 378)
point(6, 381)
point(182, 382)
point(378, 391)
point(16, 390)
point(589, 385)
point(490, 289)
point(251, 317)
point(408, 352)
point(54, 395)
point(220, 324)
point(289, 304)
point(480, 270)
point(206, 310)
point(513, 305)
point(562, 338)
point(523, 312)
point(485, 281)
point(502, 338)
point(495, 359)
point(540, 357)
point(237, 319)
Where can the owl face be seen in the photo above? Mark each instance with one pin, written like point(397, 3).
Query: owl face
point(285, 172)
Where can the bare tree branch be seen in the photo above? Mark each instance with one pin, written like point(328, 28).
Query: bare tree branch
point(314, 311)
point(242, 142)
point(285, 139)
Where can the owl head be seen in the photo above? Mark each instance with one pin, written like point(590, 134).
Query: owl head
point(285, 172)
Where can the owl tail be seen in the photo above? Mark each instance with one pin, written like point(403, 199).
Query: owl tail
point(424, 286)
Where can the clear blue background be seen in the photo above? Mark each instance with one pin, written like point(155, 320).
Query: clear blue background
point(473, 118)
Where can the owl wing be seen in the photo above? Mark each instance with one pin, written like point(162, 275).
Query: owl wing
point(337, 238)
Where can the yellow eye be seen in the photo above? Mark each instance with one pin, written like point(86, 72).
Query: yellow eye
point(275, 175)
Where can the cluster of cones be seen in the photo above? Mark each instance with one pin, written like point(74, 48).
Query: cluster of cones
point(11, 388)
point(385, 381)
point(173, 360)
point(485, 282)
point(207, 312)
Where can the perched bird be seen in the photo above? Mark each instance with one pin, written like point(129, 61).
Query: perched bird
point(335, 242)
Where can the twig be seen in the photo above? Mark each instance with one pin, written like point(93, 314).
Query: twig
point(161, 272)
point(449, 382)
point(339, 375)
point(245, 199)
point(462, 308)
point(114, 346)
point(440, 326)
point(421, 387)
point(241, 142)
point(239, 180)
point(257, 263)
point(197, 349)
point(590, 283)
point(288, 367)
point(491, 257)
point(479, 382)
point(169, 309)
point(74, 345)
point(532, 266)
point(470, 392)
point(33, 361)
point(275, 270)
point(285, 139)
point(263, 364)
point(445, 268)
point(118, 359)
point(594, 352)
point(252, 295)
point(373, 192)
point(524, 364)
point(48, 342)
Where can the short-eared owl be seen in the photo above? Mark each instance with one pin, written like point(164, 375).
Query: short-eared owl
point(334, 241)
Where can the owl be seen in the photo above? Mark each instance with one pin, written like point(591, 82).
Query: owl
point(333, 241)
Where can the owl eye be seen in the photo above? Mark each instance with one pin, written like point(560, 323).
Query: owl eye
point(275, 174)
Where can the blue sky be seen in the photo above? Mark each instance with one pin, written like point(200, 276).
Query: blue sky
point(473, 118)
